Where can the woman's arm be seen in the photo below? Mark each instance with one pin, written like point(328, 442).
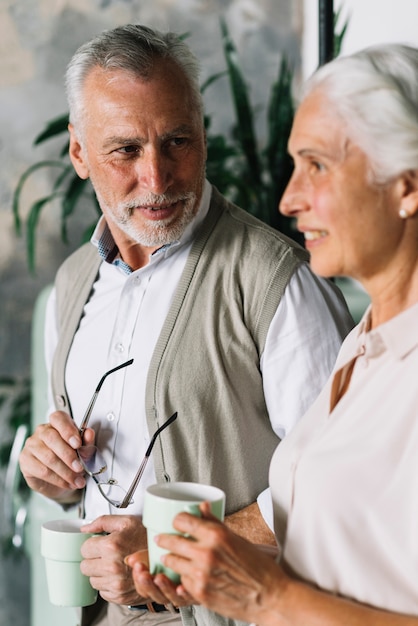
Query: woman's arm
point(228, 575)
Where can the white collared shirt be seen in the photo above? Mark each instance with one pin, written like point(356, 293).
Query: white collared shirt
point(124, 317)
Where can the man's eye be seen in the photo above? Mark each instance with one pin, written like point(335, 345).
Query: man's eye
point(178, 141)
point(128, 149)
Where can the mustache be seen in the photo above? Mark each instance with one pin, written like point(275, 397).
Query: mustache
point(158, 199)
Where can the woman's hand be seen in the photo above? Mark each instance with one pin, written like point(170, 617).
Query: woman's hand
point(158, 588)
point(218, 568)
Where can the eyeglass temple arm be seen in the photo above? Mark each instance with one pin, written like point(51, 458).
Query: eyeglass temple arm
point(141, 469)
point(92, 402)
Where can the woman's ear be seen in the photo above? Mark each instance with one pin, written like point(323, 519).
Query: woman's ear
point(77, 156)
point(409, 199)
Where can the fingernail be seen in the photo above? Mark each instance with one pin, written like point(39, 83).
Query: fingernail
point(76, 465)
point(74, 442)
point(80, 482)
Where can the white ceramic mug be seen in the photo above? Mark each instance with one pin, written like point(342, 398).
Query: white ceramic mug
point(61, 542)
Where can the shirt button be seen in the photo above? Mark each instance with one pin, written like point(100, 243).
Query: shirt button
point(110, 416)
point(60, 400)
point(120, 348)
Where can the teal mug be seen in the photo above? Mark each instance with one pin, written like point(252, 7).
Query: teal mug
point(163, 502)
point(61, 542)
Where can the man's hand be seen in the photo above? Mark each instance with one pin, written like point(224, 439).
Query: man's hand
point(117, 536)
point(49, 461)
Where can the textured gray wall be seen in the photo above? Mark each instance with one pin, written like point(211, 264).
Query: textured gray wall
point(37, 38)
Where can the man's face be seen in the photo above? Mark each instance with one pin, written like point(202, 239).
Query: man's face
point(142, 143)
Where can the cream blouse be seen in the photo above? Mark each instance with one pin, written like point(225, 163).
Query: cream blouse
point(344, 482)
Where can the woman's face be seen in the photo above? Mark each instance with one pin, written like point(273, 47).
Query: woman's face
point(351, 226)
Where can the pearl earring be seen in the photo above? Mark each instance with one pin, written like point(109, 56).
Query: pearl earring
point(403, 213)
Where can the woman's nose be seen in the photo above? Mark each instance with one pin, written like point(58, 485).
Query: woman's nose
point(294, 198)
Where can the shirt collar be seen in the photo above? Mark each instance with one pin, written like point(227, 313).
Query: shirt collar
point(108, 250)
point(399, 335)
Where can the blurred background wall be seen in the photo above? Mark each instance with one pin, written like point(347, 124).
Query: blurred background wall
point(37, 38)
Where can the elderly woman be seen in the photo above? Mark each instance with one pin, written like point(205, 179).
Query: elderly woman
point(344, 483)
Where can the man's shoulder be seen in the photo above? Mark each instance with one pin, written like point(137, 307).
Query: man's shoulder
point(236, 222)
point(79, 268)
point(85, 255)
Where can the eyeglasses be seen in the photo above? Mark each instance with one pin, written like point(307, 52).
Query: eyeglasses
point(94, 464)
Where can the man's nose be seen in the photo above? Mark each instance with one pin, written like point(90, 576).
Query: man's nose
point(154, 171)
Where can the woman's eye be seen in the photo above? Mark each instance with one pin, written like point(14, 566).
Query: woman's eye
point(319, 167)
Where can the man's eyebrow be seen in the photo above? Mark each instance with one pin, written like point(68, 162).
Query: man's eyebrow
point(116, 140)
point(183, 129)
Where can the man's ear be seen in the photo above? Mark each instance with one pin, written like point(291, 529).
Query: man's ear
point(76, 152)
point(409, 199)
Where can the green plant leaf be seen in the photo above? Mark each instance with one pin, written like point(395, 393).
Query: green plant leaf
point(7, 381)
point(245, 125)
point(279, 164)
point(20, 183)
point(212, 79)
point(53, 128)
point(339, 36)
point(88, 232)
point(67, 171)
point(32, 223)
point(70, 199)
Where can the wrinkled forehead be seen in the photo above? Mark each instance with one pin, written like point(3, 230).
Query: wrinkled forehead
point(318, 121)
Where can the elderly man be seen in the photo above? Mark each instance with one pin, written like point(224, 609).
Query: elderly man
point(224, 321)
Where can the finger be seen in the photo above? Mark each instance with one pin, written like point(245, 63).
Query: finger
point(48, 458)
point(206, 511)
point(47, 437)
point(179, 545)
point(196, 527)
point(89, 437)
point(66, 427)
point(139, 557)
point(169, 590)
point(145, 586)
point(109, 524)
point(187, 598)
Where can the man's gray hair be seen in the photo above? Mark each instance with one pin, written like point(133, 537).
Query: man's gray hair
point(131, 48)
point(375, 91)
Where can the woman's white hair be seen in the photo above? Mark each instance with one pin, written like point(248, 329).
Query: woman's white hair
point(375, 92)
point(132, 48)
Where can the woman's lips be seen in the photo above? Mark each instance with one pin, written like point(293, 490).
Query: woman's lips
point(312, 235)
